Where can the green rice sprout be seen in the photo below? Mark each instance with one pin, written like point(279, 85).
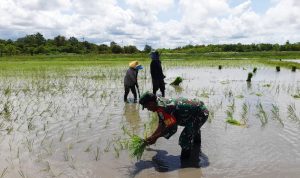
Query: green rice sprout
point(254, 70)
point(177, 81)
point(294, 68)
point(88, 149)
point(61, 136)
point(233, 121)
point(136, 146)
point(3, 172)
point(261, 114)
point(292, 112)
point(250, 75)
point(117, 151)
point(278, 68)
point(267, 85)
point(240, 96)
point(211, 115)
point(97, 154)
point(244, 113)
point(275, 114)
point(22, 174)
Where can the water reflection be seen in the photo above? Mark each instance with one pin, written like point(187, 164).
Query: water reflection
point(162, 162)
point(178, 89)
point(132, 115)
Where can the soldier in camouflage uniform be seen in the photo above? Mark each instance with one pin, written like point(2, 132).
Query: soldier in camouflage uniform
point(191, 114)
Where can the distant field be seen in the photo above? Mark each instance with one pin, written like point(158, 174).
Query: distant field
point(43, 62)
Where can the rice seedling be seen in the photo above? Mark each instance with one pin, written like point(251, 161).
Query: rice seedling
point(297, 95)
point(220, 67)
point(292, 112)
point(230, 109)
point(177, 81)
point(278, 68)
point(294, 68)
point(211, 115)
point(88, 149)
point(233, 121)
point(61, 136)
point(240, 96)
point(254, 70)
point(250, 75)
point(136, 146)
point(107, 147)
point(225, 82)
point(4, 172)
point(259, 94)
point(97, 153)
point(267, 85)
point(72, 163)
point(244, 113)
point(67, 154)
point(22, 173)
point(275, 114)
point(117, 151)
point(9, 129)
point(29, 144)
point(261, 114)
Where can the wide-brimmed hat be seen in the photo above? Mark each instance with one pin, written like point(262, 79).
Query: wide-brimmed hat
point(133, 64)
point(147, 97)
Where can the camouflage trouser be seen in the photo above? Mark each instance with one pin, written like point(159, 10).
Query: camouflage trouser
point(190, 131)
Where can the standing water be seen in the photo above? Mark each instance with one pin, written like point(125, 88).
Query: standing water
point(71, 124)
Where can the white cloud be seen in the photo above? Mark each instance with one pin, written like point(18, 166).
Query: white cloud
point(201, 21)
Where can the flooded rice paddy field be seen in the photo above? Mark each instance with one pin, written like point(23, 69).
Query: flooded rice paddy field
point(71, 124)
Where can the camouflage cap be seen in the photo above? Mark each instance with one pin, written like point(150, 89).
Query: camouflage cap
point(147, 97)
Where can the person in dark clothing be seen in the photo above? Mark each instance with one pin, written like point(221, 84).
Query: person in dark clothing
point(191, 114)
point(157, 74)
point(130, 80)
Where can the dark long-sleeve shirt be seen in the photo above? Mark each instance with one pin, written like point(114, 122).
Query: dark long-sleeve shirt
point(156, 70)
point(130, 78)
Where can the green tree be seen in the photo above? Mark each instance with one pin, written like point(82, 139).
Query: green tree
point(2, 49)
point(11, 49)
point(59, 40)
point(147, 48)
point(130, 49)
point(103, 48)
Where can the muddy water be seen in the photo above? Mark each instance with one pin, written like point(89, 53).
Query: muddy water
point(70, 125)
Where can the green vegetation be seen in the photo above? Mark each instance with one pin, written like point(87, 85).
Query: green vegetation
point(250, 75)
point(233, 121)
point(37, 44)
point(177, 81)
point(254, 70)
point(136, 146)
point(277, 68)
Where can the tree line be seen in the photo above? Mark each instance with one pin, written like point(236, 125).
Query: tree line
point(38, 44)
point(239, 47)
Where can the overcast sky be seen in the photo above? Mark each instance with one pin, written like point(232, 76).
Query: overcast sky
point(159, 23)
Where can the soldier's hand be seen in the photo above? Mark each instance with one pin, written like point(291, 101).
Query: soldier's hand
point(150, 141)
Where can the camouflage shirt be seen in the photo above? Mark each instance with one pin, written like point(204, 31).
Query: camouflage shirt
point(180, 111)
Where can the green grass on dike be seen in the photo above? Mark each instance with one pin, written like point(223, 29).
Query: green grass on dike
point(226, 59)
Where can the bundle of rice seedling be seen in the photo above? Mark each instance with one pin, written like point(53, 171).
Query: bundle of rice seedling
point(177, 81)
point(250, 75)
point(233, 122)
point(136, 146)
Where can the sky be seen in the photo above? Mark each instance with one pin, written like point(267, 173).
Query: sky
point(158, 23)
